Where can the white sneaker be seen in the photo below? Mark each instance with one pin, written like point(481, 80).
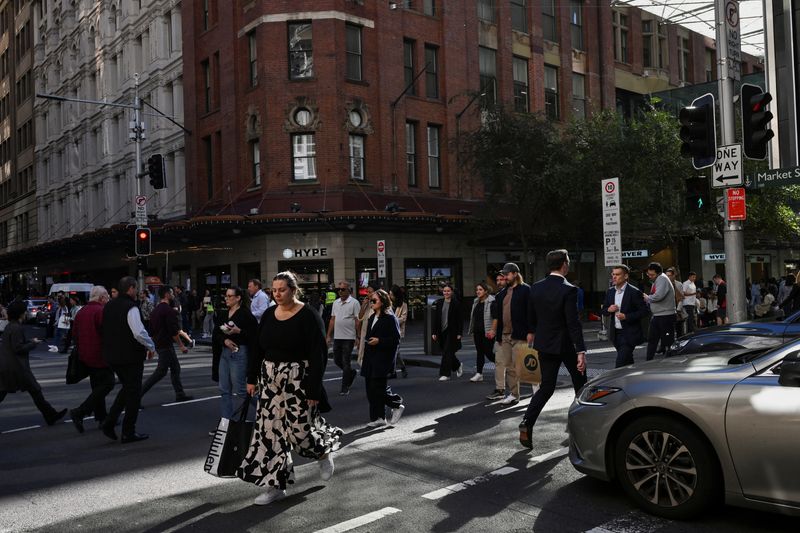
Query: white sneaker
point(376, 423)
point(460, 371)
point(444, 378)
point(326, 467)
point(395, 415)
point(509, 400)
point(270, 495)
point(476, 378)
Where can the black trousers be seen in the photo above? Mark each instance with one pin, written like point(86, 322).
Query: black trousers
point(380, 396)
point(102, 382)
point(450, 362)
point(483, 347)
point(47, 410)
point(662, 328)
point(690, 325)
point(129, 397)
point(624, 349)
point(550, 363)
point(167, 361)
point(343, 357)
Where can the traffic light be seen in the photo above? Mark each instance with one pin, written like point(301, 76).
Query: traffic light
point(142, 241)
point(699, 131)
point(698, 197)
point(155, 168)
point(755, 119)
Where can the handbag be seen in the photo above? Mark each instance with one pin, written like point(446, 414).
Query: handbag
point(76, 369)
point(526, 363)
point(230, 443)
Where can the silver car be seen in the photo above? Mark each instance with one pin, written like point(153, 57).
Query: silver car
point(683, 433)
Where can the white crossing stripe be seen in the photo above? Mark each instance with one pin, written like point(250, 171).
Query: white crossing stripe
point(20, 429)
point(441, 493)
point(360, 521)
point(190, 401)
point(547, 456)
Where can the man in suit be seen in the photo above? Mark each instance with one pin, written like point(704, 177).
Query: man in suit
point(625, 303)
point(557, 336)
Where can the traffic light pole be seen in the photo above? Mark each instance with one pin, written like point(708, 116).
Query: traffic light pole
point(734, 233)
point(137, 131)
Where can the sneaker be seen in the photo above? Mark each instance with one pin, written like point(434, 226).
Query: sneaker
point(192, 343)
point(510, 400)
point(476, 378)
point(404, 372)
point(444, 378)
point(395, 414)
point(460, 371)
point(344, 392)
point(376, 423)
point(326, 467)
point(498, 394)
point(269, 496)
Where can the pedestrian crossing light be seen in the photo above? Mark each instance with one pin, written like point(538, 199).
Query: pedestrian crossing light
point(142, 242)
point(699, 132)
point(698, 197)
point(755, 121)
point(155, 168)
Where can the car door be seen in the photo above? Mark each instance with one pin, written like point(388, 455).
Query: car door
point(763, 429)
point(792, 330)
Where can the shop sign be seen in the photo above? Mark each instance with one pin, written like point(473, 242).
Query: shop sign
point(381, 247)
point(718, 258)
point(297, 253)
point(632, 254)
point(758, 259)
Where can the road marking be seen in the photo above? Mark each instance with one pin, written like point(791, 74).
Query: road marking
point(441, 493)
point(547, 456)
point(360, 521)
point(20, 429)
point(190, 401)
point(333, 379)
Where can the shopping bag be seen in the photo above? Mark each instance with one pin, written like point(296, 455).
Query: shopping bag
point(230, 443)
point(76, 369)
point(526, 363)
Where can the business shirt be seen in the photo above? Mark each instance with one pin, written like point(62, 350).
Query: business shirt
point(259, 304)
point(137, 328)
point(618, 302)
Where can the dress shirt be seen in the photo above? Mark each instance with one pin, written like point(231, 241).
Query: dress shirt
point(137, 328)
point(259, 304)
point(618, 302)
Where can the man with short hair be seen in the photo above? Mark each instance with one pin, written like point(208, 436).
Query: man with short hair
point(258, 300)
point(499, 369)
point(625, 304)
point(722, 299)
point(690, 301)
point(166, 329)
point(125, 345)
point(662, 307)
point(343, 332)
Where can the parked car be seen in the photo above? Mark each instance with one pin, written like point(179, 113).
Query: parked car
point(682, 433)
point(753, 334)
point(38, 310)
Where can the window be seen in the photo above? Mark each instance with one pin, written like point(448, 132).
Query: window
point(620, 32)
point(578, 95)
point(411, 153)
point(168, 31)
point(486, 11)
point(304, 155)
point(576, 23)
point(434, 163)
point(647, 44)
point(429, 7)
point(431, 72)
point(353, 46)
point(255, 150)
point(709, 64)
point(205, 66)
point(549, 20)
point(301, 59)
point(206, 14)
point(487, 64)
point(357, 157)
point(252, 58)
point(683, 57)
point(519, 16)
point(408, 65)
point(520, 68)
point(209, 155)
point(551, 92)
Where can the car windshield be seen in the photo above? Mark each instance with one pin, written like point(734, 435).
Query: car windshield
point(747, 357)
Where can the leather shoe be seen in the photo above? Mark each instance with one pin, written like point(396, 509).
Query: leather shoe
point(77, 419)
point(526, 434)
point(108, 431)
point(55, 417)
point(134, 437)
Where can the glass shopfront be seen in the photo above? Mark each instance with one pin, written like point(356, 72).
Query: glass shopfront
point(217, 279)
point(367, 272)
point(312, 276)
point(424, 277)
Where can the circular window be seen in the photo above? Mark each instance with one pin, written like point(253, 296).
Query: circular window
point(303, 117)
point(355, 118)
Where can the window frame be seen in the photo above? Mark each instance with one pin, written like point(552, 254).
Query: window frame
point(488, 81)
point(351, 54)
point(432, 72)
point(308, 157)
point(252, 58)
point(553, 111)
point(487, 11)
point(549, 21)
point(307, 53)
point(521, 88)
point(519, 7)
point(356, 158)
point(255, 159)
point(411, 156)
point(434, 159)
point(579, 102)
point(576, 24)
point(409, 66)
point(205, 68)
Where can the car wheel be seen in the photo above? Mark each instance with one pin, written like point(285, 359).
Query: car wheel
point(666, 467)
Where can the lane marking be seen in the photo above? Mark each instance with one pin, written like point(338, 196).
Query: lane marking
point(20, 429)
point(547, 456)
point(360, 521)
point(190, 401)
point(452, 489)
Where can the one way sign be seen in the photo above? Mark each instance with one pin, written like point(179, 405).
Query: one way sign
point(728, 168)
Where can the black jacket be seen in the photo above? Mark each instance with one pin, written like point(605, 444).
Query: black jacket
point(448, 340)
point(554, 314)
point(521, 322)
point(15, 366)
point(634, 309)
point(119, 345)
point(379, 360)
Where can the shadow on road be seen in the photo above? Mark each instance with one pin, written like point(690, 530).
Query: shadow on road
point(470, 420)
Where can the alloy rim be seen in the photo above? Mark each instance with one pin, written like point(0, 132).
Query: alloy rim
point(661, 468)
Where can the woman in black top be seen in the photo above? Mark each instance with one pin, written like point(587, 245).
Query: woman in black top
point(448, 324)
point(288, 362)
point(237, 334)
point(380, 349)
point(480, 323)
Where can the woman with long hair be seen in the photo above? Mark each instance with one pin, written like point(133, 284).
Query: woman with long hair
point(480, 323)
point(285, 372)
point(400, 310)
point(448, 324)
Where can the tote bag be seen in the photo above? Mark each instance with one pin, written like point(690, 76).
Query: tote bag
point(526, 363)
point(230, 443)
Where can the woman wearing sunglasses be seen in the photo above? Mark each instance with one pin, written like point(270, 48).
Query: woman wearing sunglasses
point(380, 350)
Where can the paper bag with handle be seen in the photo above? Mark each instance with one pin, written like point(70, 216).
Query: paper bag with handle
point(526, 363)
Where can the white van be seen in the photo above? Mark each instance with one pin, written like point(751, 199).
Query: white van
point(81, 290)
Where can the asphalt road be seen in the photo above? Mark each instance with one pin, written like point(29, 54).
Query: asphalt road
point(452, 464)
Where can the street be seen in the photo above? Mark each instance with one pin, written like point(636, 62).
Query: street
point(453, 463)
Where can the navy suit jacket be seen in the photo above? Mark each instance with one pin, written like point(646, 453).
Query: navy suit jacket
point(554, 314)
point(634, 309)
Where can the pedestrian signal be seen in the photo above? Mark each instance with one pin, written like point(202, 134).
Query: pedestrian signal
point(698, 197)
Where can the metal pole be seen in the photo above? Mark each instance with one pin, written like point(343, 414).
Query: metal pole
point(137, 130)
point(734, 233)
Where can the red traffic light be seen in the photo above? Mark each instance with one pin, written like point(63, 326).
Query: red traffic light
point(142, 244)
point(143, 235)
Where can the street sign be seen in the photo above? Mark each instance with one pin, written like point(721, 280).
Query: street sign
point(734, 39)
point(728, 168)
point(140, 203)
point(737, 209)
point(381, 259)
point(721, 206)
point(773, 178)
point(612, 234)
point(632, 254)
point(716, 258)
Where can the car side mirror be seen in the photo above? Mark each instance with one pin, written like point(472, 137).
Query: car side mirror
point(789, 373)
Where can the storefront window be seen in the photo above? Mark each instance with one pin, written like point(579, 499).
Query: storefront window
point(367, 272)
point(424, 278)
point(313, 277)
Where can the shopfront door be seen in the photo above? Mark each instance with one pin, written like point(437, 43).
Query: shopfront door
point(424, 277)
point(217, 279)
point(312, 276)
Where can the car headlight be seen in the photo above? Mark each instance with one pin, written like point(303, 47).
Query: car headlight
point(594, 395)
point(677, 345)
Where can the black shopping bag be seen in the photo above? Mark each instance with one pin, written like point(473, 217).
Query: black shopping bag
point(230, 443)
point(76, 369)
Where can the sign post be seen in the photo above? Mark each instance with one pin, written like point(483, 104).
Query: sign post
point(612, 234)
point(140, 203)
point(381, 259)
point(737, 208)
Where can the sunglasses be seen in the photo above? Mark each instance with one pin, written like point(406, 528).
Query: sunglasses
point(230, 296)
point(375, 300)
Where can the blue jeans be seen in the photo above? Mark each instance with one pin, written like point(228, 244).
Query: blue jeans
point(232, 379)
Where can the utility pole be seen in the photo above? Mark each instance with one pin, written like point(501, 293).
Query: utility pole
point(733, 233)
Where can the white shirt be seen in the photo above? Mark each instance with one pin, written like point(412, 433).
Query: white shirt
point(137, 328)
point(345, 314)
point(689, 287)
point(259, 304)
point(618, 302)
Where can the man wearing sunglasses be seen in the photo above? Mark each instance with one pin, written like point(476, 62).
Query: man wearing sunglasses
point(342, 331)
